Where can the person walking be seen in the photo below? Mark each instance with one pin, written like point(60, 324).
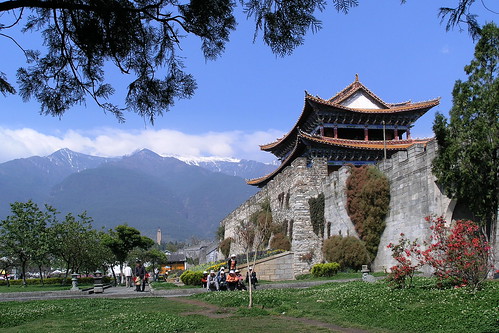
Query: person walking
point(127, 271)
point(140, 274)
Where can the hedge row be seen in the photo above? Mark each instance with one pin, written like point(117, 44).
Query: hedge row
point(54, 280)
point(191, 278)
point(321, 270)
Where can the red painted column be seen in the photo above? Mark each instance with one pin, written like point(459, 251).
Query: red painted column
point(396, 134)
point(335, 132)
point(321, 129)
point(366, 134)
point(408, 134)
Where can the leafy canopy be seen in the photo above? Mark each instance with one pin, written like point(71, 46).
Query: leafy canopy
point(123, 239)
point(467, 164)
point(142, 39)
point(23, 234)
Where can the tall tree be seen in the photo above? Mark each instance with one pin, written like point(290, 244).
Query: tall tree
point(253, 235)
point(467, 164)
point(72, 239)
point(122, 240)
point(23, 234)
point(142, 39)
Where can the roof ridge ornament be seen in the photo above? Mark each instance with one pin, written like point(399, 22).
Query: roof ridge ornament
point(356, 77)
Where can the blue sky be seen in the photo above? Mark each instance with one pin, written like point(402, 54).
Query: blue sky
point(249, 96)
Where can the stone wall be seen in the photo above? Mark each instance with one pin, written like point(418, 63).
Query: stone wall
point(414, 196)
point(288, 194)
point(275, 268)
point(413, 190)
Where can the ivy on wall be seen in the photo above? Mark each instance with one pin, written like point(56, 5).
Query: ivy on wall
point(317, 206)
point(224, 246)
point(368, 200)
point(262, 219)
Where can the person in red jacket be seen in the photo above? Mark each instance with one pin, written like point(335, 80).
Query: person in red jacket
point(231, 263)
point(204, 279)
point(232, 280)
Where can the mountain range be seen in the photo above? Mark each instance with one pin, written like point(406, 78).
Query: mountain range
point(145, 190)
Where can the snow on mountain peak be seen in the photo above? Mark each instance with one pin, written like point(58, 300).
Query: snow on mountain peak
point(196, 160)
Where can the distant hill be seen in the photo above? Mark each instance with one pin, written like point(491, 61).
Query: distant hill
point(143, 189)
point(32, 178)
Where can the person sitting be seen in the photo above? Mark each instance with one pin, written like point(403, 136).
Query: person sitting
point(232, 262)
point(240, 280)
point(212, 282)
point(232, 280)
point(254, 280)
point(204, 279)
point(222, 269)
point(222, 281)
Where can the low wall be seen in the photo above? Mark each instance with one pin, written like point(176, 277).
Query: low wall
point(275, 268)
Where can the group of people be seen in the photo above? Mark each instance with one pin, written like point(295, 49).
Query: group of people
point(233, 280)
point(139, 278)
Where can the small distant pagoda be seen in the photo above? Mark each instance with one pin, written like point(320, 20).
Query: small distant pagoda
point(353, 127)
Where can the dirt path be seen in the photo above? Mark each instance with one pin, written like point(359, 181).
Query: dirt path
point(214, 311)
point(207, 309)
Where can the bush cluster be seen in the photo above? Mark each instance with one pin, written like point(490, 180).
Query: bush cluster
point(191, 278)
point(317, 207)
point(224, 246)
point(54, 280)
point(458, 254)
point(280, 242)
point(324, 270)
point(368, 200)
point(349, 252)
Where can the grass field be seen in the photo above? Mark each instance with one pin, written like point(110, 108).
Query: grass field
point(358, 304)
point(131, 315)
point(370, 306)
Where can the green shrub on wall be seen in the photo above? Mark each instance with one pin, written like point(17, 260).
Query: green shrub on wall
point(263, 221)
point(280, 242)
point(349, 252)
point(324, 270)
point(224, 246)
point(317, 206)
point(368, 200)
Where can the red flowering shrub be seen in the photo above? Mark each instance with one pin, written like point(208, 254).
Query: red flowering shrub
point(458, 253)
point(409, 258)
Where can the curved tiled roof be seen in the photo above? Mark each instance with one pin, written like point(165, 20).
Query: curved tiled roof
point(352, 89)
point(361, 144)
point(264, 179)
point(336, 100)
point(393, 145)
point(402, 107)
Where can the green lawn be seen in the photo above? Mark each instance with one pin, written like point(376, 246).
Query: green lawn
point(131, 315)
point(376, 305)
point(371, 306)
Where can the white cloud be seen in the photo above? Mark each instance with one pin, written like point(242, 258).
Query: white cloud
point(26, 142)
